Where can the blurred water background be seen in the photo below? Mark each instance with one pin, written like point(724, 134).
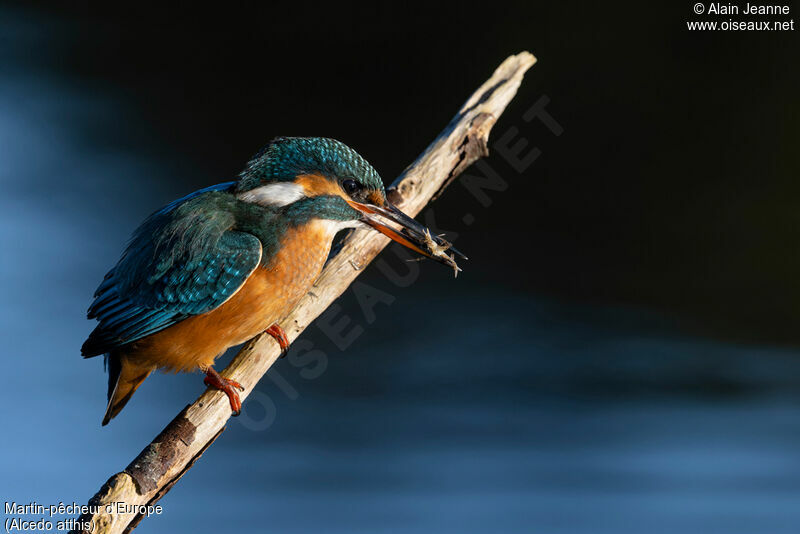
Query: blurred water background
point(482, 404)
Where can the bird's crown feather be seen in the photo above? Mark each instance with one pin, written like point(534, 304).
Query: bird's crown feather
point(285, 158)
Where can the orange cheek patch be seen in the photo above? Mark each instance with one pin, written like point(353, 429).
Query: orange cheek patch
point(315, 185)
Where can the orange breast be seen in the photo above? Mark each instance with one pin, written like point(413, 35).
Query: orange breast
point(267, 295)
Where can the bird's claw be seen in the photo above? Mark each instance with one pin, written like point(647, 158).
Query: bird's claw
point(226, 385)
point(280, 336)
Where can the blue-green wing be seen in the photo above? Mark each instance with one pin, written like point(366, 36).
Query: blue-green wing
point(171, 271)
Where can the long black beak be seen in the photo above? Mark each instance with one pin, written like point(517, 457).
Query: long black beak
point(412, 234)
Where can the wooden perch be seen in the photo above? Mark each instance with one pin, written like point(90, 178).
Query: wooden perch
point(162, 463)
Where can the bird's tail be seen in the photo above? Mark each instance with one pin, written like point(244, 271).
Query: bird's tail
point(123, 379)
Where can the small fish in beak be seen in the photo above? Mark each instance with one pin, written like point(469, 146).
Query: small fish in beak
point(412, 234)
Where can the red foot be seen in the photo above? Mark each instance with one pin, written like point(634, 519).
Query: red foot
point(226, 385)
point(280, 336)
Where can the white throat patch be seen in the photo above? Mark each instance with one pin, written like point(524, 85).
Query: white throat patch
point(275, 195)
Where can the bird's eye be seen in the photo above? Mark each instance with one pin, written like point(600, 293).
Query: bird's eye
point(351, 186)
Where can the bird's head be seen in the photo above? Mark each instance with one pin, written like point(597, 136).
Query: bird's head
point(346, 188)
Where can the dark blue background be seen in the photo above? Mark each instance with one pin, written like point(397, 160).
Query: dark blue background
point(618, 355)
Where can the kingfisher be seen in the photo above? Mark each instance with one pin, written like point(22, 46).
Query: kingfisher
point(223, 264)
